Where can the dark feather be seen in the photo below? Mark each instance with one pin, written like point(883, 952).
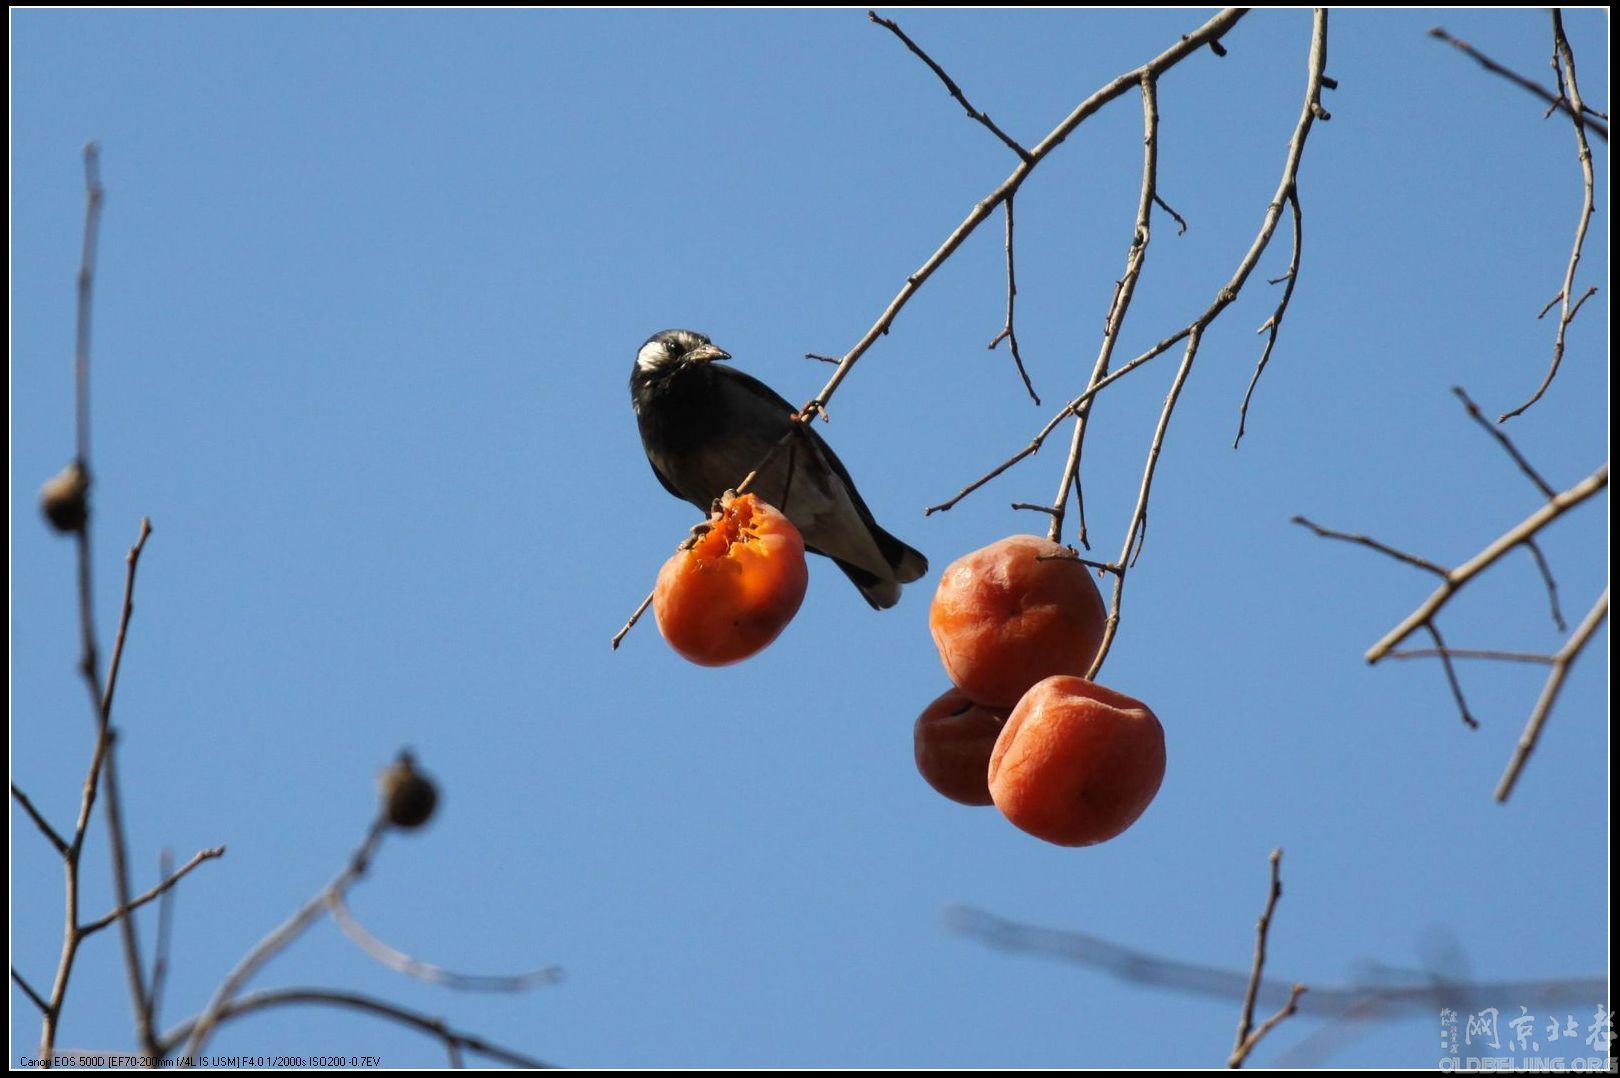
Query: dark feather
point(706, 426)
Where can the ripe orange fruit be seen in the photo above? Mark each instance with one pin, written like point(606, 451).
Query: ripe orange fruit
point(734, 590)
point(1013, 613)
point(1077, 763)
point(953, 740)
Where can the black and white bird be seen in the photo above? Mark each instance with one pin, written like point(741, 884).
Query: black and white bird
point(706, 426)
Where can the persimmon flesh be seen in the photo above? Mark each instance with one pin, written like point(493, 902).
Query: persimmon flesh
point(1077, 762)
point(734, 590)
point(953, 740)
point(1017, 611)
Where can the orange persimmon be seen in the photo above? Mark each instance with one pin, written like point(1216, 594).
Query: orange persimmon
point(734, 590)
point(1077, 763)
point(1017, 611)
point(953, 740)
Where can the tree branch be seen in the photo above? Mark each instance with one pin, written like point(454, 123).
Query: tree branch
point(950, 85)
point(1549, 694)
point(1457, 578)
point(136, 903)
point(400, 962)
point(259, 1001)
point(1554, 101)
point(1565, 65)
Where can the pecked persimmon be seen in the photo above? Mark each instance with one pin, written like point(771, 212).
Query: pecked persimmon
point(1077, 763)
point(736, 587)
point(953, 740)
point(1017, 611)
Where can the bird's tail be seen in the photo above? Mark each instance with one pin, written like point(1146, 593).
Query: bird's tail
point(906, 564)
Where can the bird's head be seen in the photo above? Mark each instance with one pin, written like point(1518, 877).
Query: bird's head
point(675, 348)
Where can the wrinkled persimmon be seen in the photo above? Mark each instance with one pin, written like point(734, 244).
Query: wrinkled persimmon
point(1077, 763)
point(735, 588)
point(1017, 611)
point(953, 740)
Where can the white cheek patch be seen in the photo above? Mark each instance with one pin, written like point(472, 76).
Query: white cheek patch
point(653, 354)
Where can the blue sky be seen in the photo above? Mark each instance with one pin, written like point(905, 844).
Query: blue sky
point(371, 285)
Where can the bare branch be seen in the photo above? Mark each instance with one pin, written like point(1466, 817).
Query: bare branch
point(1473, 653)
point(1184, 47)
point(259, 1001)
point(1451, 676)
point(89, 662)
point(1456, 578)
point(1136, 529)
point(1008, 332)
point(162, 888)
point(401, 962)
point(1555, 101)
point(40, 822)
point(133, 968)
point(631, 622)
point(1244, 1043)
point(1145, 968)
point(1547, 579)
point(160, 950)
point(132, 561)
point(279, 939)
point(1114, 322)
point(28, 990)
point(950, 85)
point(1028, 451)
point(1565, 65)
point(1549, 694)
point(1181, 222)
point(1474, 413)
point(1273, 325)
point(1373, 544)
point(1288, 1010)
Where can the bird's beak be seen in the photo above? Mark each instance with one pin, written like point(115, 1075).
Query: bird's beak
point(704, 353)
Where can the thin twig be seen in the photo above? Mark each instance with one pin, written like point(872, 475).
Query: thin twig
point(28, 990)
point(89, 662)
point(1138, 967)
point(162, 888)
point(1124, 291)
point(1288, 1010)
point(1565, 65)
point(1456, 578)
point(1273, 325)
point(1474, 653)
point(40, 822)
point(1451, 676)
point(401, 962)
point(630, 623)
point(1136, 528)
point(1478, 416)
point(1185, 46)
point(1181, 222)
point(259, 1001)
point(1547, 579)
point(1549, 694)
point(1008, 332)
point(134, 970)
point(1262, 928)
point(1555, 101)
point(950, 85)
point(1311, 111)
point(160, 950)
point(1373, 544)
point(278, 939)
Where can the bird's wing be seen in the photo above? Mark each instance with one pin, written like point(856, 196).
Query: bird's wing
point(821, 497)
